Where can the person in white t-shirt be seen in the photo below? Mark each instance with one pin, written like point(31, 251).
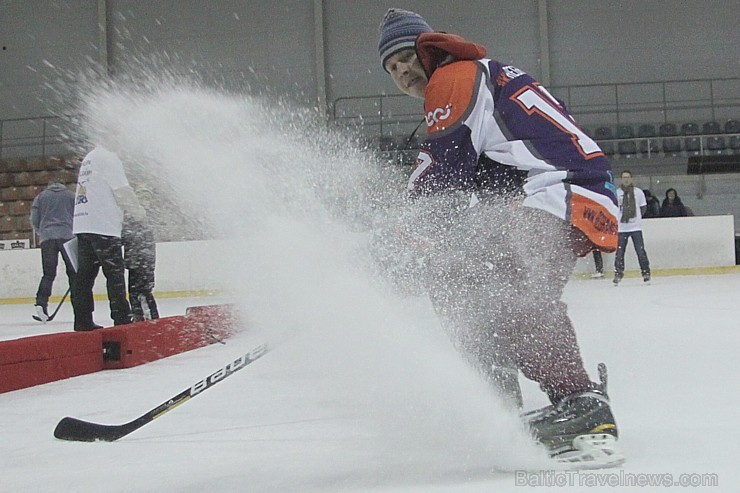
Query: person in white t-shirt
point(103, 194)
point(632, 205)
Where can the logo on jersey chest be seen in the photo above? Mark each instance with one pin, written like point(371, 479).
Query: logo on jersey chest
point(437, 115)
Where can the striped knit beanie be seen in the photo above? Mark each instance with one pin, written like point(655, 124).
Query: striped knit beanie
point(399, 31)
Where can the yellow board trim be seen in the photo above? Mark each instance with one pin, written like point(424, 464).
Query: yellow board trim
point(691, 271)
point(686, 271)
point(104, 297)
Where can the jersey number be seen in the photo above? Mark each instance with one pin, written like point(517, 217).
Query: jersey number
point(533, 101)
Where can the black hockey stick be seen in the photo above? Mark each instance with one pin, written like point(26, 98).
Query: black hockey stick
point(77, 430)
point(51, 317)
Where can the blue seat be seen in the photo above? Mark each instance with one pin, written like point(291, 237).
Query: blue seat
point(709, 128)
point(626, 147)
point(691, 144)
point(732, 127)
point(670, 142)
point(647, 145)
point(602, 134)
point(735, 144)
point(667, 130)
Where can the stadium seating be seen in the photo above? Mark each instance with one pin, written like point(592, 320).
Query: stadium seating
point(715, 143)
point(732, 127)
point(602, 134)
point(734, 144)
point(626, 147)
point(671, 143)
point(648, 145)
point(691, 141)
point(21, 180)
point(711, 128)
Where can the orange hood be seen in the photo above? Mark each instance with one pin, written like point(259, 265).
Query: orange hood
point(433, 48)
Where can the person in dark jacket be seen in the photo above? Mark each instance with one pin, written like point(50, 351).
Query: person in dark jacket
point(672, 205)
point(51, 217)
point(653, 205)
point(139, 257)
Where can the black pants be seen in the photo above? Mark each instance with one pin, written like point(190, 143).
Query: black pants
point(639, 244)
point(50, 250)
point(94, 252)
point(598, 262)
point(140, 286)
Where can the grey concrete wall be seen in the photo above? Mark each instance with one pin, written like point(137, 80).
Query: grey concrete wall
point(271, 44)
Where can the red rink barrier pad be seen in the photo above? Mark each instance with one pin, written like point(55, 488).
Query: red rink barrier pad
point(42, 359)
point(134, 344)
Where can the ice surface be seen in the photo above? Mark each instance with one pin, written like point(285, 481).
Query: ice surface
point(293, 421)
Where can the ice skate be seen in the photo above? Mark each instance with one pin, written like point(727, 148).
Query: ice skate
point(597, 275)
point(646, 277)
point(617, 279)
point(580, 430)
point(42, 315)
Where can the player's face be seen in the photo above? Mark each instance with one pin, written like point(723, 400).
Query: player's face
point(407, 72)
point(626, 179)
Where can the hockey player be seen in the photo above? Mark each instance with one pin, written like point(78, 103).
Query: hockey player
point(51, 218)
point(139, 256)
point(509, 191)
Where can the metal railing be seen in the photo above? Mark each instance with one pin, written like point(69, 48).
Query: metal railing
point(672, 100)
point(593, 104)
point(39, 136)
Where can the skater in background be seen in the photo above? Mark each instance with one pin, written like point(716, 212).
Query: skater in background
point(51, 217)
point(506, 193)
point(598, 265)
point(139, 255)
point(103, 194)
point(632, 206)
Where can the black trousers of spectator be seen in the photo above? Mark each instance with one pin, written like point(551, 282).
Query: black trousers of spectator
point(140, 286)
point(598, 262)
point(639, 244)
point(94, 252)
point(50, 250)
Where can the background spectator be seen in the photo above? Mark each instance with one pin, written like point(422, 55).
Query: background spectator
point(103, 195)
point(139, 256)
point(653, 205)
point(51, 218)
point(598, 265)
point(632, 206)
point(672, 205)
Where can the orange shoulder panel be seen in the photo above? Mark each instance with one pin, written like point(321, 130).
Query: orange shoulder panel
point(449, 94)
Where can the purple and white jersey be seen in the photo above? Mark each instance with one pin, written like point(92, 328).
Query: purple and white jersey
point(484, 108)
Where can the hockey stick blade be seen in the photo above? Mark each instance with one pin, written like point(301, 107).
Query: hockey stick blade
point(77, 430)
point(54, 314)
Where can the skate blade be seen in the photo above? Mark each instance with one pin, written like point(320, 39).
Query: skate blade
point(595, 451)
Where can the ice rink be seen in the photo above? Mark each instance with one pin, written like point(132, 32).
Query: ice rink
point(352, 409)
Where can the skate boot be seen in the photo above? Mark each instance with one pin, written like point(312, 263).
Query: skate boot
point(617, 278)
point(42, 315)
point(579, 430)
